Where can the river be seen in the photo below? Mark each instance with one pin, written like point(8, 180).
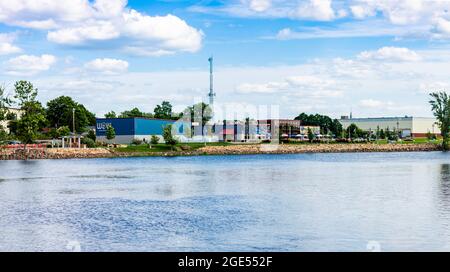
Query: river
point(305, 202)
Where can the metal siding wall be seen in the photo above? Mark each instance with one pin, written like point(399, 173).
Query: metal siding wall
point(123, 126)
point(150, 127)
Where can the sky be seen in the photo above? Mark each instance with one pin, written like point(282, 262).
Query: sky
point(373, 58)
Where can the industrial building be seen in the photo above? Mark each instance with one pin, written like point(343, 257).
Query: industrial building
point(287, 128)
point(129, 129)
point(416, 127)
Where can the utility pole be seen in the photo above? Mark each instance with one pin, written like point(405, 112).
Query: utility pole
point(73, 120)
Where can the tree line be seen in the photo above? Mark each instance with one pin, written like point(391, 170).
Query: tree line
point(63, 115)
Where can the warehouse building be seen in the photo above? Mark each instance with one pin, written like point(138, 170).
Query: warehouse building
point(287, 128)
point(416, 127)
point(129, 129)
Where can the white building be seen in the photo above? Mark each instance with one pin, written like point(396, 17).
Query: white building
point(408, 126)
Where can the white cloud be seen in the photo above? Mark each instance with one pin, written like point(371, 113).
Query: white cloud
point(260, 5)
point(107, 66)
point(29, 64)
point(6, 44)
point(372, 103)
point(97, 31)
point(400, 18)
point(80, 22)
point(320, 10)
point(306, 86)
point(390, 54)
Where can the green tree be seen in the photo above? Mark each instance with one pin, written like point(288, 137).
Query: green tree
point(91, 135)
point(4, 103)
point(154, 140)
point(33, 114)
point(199, 112)
point(163, 111)
point(353, 132)
point(111, 114)
point(63, 131)
point(110, 133)
point(60, 113)
point(135, 113)
point(440, 105)
point(324, 122)
point(311, 135)
point(168, 136)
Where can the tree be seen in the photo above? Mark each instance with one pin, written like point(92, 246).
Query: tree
point(91, 135)
point(4, 103)
point(168, 137)
point(311, 135)
point(163, 111)
point(353, 131)
point(60, 113)
point(135, 113)
point(199, 112)
point(110, 133)
point(111, 114)
point(33, 114)
point(326, 123)
point(440, 105)
point(154, 140)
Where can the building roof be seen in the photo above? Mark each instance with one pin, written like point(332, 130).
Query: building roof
point(383, 118)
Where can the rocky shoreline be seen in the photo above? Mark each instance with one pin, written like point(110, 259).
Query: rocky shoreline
point(317, 148)
point(246, 149)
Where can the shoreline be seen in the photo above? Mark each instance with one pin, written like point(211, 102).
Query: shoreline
point(254, 149)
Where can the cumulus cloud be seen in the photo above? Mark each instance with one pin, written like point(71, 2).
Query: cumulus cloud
point(260, 5)
point(390, 54)
point(307, 86)
point(29, 64)
point(373, 103)
point(107, 66)
point(6, 44)
point(80, 22)
point(320, 10)
point(423, 18)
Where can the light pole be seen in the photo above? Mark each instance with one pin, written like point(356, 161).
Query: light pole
point(73, 120)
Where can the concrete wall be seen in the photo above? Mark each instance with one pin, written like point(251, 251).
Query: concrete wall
point(367, 124)
point(421, 126)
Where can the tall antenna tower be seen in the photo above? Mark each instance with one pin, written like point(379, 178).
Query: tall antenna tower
point(211, 82)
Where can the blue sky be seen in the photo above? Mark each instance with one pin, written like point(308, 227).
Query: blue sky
point(378, 58)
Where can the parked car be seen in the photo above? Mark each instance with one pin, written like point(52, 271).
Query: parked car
point(14, 142)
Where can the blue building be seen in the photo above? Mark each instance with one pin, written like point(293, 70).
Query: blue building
point(129, 129)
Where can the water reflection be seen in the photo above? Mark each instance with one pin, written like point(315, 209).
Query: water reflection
point(314, 202)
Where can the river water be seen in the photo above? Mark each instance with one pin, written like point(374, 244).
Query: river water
point(305, 202)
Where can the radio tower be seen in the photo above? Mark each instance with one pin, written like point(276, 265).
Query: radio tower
point(211, 83)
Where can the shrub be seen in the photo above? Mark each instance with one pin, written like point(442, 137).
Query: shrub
point(154, 140)
point(88, 142)
point(136, 142)
point(91, 135)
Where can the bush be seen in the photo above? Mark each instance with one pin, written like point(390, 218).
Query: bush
point(88, 142)
point(154, 140)
point(136, 142)
point(91, 135)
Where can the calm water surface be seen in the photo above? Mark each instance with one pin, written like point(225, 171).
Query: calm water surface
point(308, 202)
